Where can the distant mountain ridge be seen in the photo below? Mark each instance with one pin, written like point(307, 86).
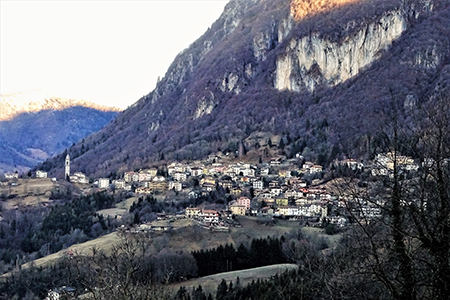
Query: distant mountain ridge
point(35, 126)
point(37, 100)
point(315, 76)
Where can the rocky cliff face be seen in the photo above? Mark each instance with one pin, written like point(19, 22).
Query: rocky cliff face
point(186, 62)
point(312, 60)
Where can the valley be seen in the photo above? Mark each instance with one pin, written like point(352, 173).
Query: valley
point(35, 126)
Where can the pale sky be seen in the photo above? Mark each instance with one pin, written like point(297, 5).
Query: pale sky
point(108, 51)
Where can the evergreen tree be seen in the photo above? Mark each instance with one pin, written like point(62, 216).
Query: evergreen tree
point(281, 145)
point(182, 294)
point(137, 219)
point(198, 294)
point(222, 290)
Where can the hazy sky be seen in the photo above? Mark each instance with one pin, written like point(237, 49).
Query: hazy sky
point(109, 52)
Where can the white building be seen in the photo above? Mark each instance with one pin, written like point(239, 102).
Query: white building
point(196, 171)
point(78, 177)
point(175, 185)
point(315, 169)
point(248, 172)
point(258, 184)
point(209, 216)
point(119, 183)
point(265, 171)
point(287, 211)
point(63, 292)
point(180, 176)
point(103, 183)
point(41, 174)
point(144, 176)
point(11, 175)
point(81, 177)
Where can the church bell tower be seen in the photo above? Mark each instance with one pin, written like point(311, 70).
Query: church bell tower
point(67, 167)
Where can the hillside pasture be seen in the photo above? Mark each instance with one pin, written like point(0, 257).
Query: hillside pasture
point(209, 283)
point(27, 192)
point(187, 236)
point(104, 243)
point(120, 209)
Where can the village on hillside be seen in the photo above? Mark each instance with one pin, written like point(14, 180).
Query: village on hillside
point(292, 189)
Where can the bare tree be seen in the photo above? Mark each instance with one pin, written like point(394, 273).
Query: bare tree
point(399, 247)
point(125, 273)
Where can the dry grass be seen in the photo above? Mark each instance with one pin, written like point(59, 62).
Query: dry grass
point(188, 237)
point(176, 224)
point(120, 208)
point(27, 201)
point(318, 233)
point(210, 283)
point(303, 8)
point(105, 243)
point(126, 204)
point(25, 186)
point(112, 212)
point(29, 192)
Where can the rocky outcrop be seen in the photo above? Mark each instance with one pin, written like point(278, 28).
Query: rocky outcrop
point(205, 106)
point(233, 13)
point(229, 83)
point(428, 58)
point(184, 64)
point(304, 57)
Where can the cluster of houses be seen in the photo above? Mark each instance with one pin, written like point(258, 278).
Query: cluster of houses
point(244, 206)
point(273, 188)
point(384, 164)
point(233, 176)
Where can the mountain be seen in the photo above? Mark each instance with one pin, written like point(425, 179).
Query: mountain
point(312, 75)
point(37, 100)
point(35, 126)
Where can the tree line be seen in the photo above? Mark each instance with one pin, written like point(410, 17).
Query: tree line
point(262, 252)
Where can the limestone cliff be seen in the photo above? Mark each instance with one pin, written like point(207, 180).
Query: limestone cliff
point(312, 59)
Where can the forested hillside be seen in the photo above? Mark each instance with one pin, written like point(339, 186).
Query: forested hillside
point(28, 138)
point(319, 81)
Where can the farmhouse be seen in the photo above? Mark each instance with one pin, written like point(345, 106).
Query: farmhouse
point(11, 175)
point(41, 174)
